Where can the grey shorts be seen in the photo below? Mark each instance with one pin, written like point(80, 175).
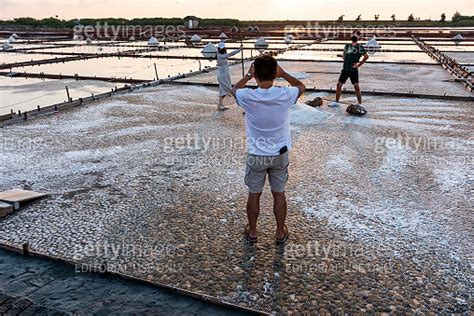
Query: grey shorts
point(257, 168)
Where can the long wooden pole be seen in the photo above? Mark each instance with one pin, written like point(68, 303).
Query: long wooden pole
point(242, 56)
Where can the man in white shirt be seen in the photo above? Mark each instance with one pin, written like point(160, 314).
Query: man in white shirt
point(267, 122)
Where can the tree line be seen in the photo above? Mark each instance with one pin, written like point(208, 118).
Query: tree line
point(55, 22)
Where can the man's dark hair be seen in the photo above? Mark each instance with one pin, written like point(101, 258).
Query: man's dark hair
point(265, 68)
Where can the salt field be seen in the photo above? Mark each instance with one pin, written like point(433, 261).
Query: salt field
point(145, 178)
point(183, 60)
point(178, 58)
point(402, 245)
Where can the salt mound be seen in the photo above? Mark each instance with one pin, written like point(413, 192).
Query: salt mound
point(6, 45)
point(153, 41)
point(289, 38)
point(372, 45)
point(209, 51)
point(261, 44)
point(195, 38)
point(302, 114)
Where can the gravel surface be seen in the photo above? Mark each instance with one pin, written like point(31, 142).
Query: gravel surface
point(380, 207)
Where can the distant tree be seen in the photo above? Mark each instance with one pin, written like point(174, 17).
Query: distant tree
point(359, 17)
point(341, 18)
point(393, 17)
point(376, 17)
point(443, 17)
point(411, 18)
point(456, 16)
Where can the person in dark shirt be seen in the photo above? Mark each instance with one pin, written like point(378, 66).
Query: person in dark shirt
point(352, 54)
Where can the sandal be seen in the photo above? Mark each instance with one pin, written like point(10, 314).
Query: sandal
point(247, 235)
point(280, 241)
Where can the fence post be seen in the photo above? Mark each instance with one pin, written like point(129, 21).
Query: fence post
point(68, 96)
point(156, 72)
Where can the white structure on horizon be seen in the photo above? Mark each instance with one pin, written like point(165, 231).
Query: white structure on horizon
point(261, 44)
point(223, 36)
point(191, 22)
point(195, 38)
point(209, 51)
point(458, 39)
point(7, 45)
point(372, 46)
point(153, 41)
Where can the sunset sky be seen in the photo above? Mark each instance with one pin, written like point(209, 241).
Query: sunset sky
point(241, 9)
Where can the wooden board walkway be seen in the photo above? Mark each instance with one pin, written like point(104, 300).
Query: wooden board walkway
point(458, 71)
point(16, 197)
point(5, 209)
point(75, 77)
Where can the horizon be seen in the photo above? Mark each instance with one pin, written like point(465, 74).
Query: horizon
point(264, 10)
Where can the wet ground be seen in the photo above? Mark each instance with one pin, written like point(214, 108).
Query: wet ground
point(32, 286)
point(380, 207)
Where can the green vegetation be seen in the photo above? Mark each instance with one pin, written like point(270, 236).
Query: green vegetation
point(54, 22)
point(57, 23)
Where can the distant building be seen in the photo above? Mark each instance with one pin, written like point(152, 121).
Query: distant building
point(253, 29)
point(191, 22)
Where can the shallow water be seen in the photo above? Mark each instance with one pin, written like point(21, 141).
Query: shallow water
point(26, 94)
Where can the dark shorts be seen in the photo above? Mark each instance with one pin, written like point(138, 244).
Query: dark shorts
point(354, 75)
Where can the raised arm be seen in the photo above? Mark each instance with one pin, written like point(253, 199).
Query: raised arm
point(243, 82)
point(291, 80)
point(234, 52)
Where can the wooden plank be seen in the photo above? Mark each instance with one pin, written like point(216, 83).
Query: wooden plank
point(5, 209)
point(5, 117)
point(19, 195)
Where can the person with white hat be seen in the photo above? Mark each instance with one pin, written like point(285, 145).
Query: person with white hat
point(223, 75)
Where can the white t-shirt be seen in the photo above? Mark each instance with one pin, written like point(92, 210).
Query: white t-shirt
point(267, 118)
